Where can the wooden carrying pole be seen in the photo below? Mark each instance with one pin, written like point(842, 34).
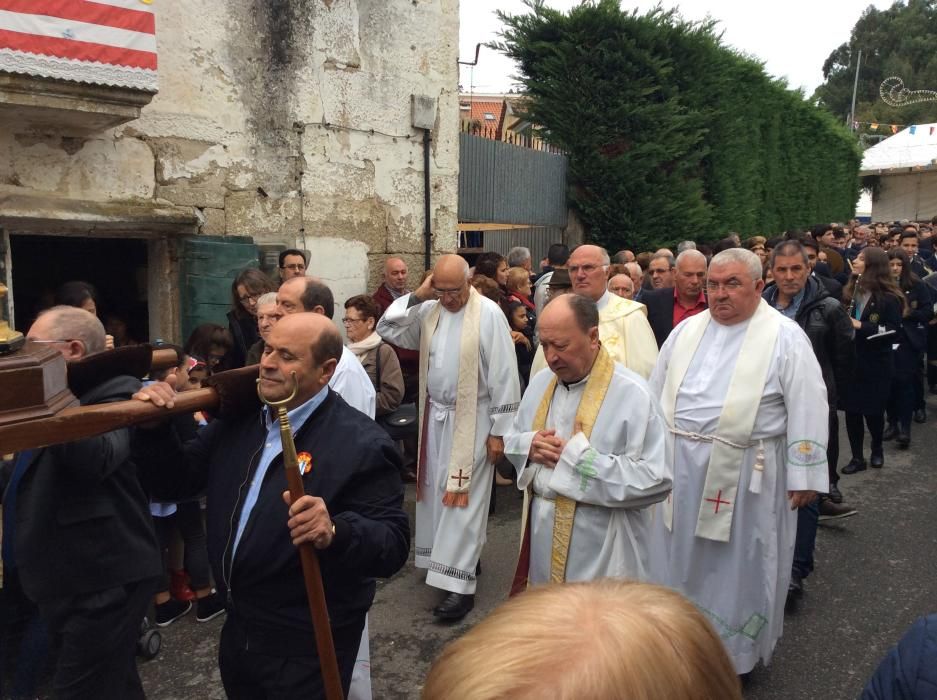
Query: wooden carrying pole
point(315, 591)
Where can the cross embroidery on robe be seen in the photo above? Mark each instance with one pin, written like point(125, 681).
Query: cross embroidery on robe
point(459, 478)
point(718, 500)
point(585, 469)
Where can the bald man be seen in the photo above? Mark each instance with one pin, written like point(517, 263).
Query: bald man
point(393, 287)
point(355, 519)
point(469, 391)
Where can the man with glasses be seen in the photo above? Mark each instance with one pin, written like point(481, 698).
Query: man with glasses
point(469, 393)
point(623, 327)
point(292, 263)
point(742, 461)
point(350, 381)
point(78, 538)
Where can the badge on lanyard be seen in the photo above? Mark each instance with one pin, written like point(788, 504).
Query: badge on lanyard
point(305, 463)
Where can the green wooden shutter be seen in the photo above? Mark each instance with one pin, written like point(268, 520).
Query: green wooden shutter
point(208, 266)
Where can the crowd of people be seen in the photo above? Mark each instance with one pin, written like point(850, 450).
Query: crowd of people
point(649, 405)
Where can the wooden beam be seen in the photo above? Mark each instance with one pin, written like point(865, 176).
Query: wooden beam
point(479, 226)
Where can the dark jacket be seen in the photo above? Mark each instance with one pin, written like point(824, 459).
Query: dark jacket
point(909, 670)
point(830, 331)
point(355, 469)
point(920, 311)
point(245, 333)
point(409, 359)
point(659, 303)
point(875, 365)
point(82, 520)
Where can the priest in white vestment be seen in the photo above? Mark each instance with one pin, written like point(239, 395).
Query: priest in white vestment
point(589, 444)
point(623, 327)
point(745, 401)
point(469, 392)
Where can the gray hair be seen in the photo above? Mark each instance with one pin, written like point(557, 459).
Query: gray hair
point(268, 298)
point(517, 256)
point(739, 255)
point(688, 254)
point(685, 245)
point(72, 323)
point(585, 310)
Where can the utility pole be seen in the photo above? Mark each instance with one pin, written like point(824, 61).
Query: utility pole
point(855, 87)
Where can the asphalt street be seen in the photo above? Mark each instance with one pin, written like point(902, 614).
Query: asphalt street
point(875, 574)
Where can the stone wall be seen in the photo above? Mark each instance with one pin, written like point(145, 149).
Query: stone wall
point(285, 120)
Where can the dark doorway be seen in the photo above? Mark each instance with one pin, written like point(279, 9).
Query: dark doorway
point(116, 267)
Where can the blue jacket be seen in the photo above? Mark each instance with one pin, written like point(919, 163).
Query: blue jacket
point(909, 670)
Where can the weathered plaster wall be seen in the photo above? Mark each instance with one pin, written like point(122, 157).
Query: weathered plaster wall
point(285, 120)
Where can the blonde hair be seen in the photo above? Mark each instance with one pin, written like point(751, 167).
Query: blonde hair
point(603, 640)
point(516, 277)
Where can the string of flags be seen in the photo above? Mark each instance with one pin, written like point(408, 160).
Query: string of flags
point(914, 128)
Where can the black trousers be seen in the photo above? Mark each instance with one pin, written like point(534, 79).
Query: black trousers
point(96, 637)
point(876, 425)
point(832, 447)
point(250, 675)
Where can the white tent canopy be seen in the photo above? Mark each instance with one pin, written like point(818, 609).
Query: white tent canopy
point(912, 148)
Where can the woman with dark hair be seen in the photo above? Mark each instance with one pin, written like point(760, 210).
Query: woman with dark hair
point(493, 266)
point(246, 289)
point(875, 305)
point(912, 343)
point(79, 294)
point(211, 342)
point(377, 357)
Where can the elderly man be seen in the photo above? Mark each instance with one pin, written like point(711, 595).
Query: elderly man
point(745, 402)
point(78, 536)
point(621, 285)
point(292, 263)
point(349, 380)
point(469, 391)
point(394, 285)
point(355, 519)
point(588, 444)
point(519, 256)
point(660, 269)
point(637, 277)
point(267, 316)
point(623, 326)
point(667, 307)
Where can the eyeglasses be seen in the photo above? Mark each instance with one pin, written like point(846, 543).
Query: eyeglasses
point(297, 267)
point(730, 286)
point(250, 298)
point(53, 340)
point(346, 320)
point(440, 293)
point(587, 269)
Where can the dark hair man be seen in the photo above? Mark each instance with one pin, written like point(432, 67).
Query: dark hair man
point(355, 520)
point(85, 550)
point(557, 257)
point(660, 270)
point(292, 263)
point(801, 297)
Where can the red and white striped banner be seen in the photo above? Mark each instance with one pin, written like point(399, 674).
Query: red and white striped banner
point(107, 42)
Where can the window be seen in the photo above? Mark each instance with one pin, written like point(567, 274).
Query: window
point(465, 106)
point(489, 117)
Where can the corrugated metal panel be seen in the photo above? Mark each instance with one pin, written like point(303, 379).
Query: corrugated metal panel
point(503, 183)
point(538, 240)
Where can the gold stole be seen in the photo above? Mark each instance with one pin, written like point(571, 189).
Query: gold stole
point(586, 414)
point(462, 456)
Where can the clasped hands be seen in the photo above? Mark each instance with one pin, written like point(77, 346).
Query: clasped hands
point(546, 447)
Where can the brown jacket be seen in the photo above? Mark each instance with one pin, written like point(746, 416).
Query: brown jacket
point(390, 391)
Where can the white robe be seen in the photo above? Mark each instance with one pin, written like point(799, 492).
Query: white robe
point(627, 454)
point(352, 383)
point(449, 540)
point(741, 585)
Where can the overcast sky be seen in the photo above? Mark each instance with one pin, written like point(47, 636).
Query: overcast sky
point(792, 38)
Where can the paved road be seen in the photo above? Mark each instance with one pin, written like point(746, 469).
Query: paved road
point(875, 575)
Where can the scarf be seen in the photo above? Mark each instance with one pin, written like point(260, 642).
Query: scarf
point(462, 457)
point(363, 347)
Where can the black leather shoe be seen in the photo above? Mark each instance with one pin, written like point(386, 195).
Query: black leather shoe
point(877, 460)
point(795, 591)
point(855, 465)
point(478, 568)
point(891, 432)
point(835, 494)
point(454, 606)
point(920, 415)
point(903, 440)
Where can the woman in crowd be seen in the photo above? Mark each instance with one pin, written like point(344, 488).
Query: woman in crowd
point(377, 357)
point(493, 266)
point(875, 305)
point(82, 295)
point(267, 318)
point(213, 343)
point(912, 343)
point(519, 290)
point(523, 337)
point(246, 289)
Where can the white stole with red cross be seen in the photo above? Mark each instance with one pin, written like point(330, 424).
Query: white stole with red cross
point(737, 419)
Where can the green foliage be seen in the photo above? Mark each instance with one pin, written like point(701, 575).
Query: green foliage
point(671, 135)
point(898, 41)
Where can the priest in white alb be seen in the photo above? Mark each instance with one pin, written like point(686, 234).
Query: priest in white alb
point(469, 392)
point(745, 403)
point(623, 327)
point(588, 444)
